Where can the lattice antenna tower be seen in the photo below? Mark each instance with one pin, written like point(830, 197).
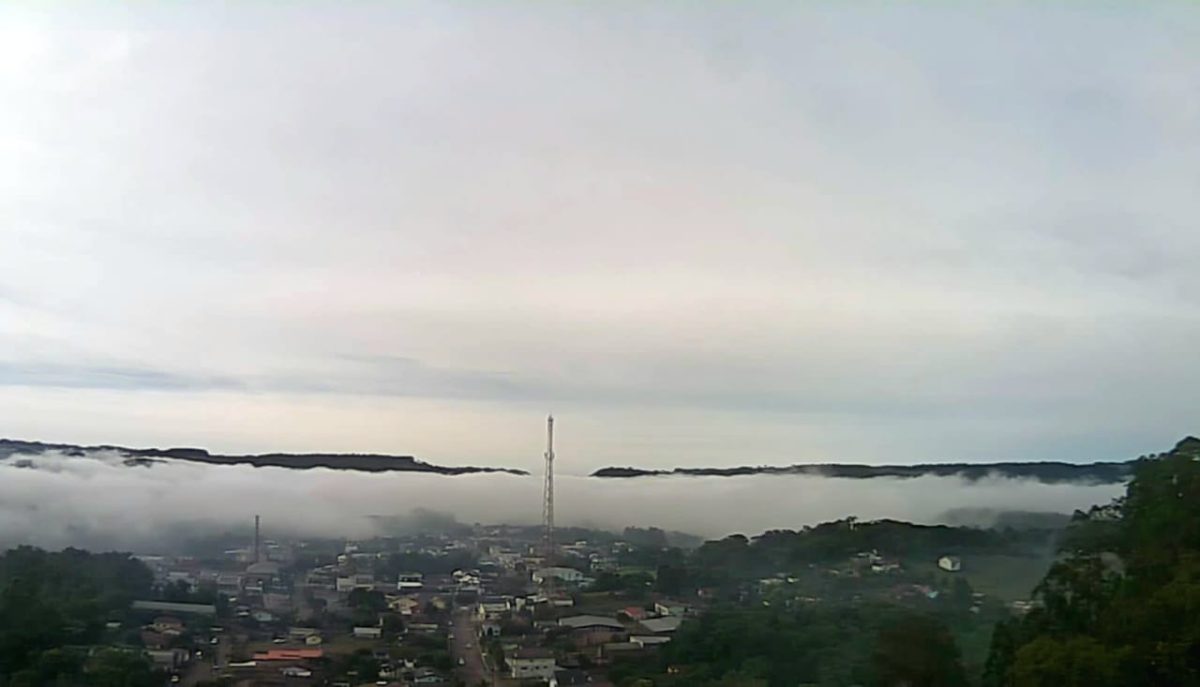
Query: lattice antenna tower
point(548, 496)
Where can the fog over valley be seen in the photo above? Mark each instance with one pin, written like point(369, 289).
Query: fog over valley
point(98, 500)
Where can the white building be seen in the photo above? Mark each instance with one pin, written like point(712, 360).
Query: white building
point(368, 632)
point(532, 664)
point(950, 563)
point(569, 575)
point(410, 582)
point(361, 581)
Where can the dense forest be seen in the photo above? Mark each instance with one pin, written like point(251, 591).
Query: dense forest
point(1122, 606)
point(54, 607)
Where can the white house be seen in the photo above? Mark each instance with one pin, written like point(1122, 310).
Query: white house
point(568, 575)
point(368, 632)
point(360, 581)
point(950, 563)
point(410, 582)
point(532, 664)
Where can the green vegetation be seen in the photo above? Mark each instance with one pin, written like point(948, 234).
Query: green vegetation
point(818, 645)
point(1122, 607)
point(53, 610)
point(1008, 577)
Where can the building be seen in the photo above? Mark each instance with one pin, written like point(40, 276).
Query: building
point(557, 574)
point(167, 625)
point(531, 664)
point(570, 678)
point(352, 582)
point(410, 582)
point(670, 608)
point(662, 626)
point(168, 659)
point(288, 655)
point(634, 612)
point(950, 563)
point(368, 632)
point(491, 607)
point(176, 608)
point(592, 630)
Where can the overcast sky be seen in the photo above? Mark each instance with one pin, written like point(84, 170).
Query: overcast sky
point(700, 233)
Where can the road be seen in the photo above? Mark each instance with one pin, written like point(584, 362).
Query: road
point(465, 646)
point(203, 669)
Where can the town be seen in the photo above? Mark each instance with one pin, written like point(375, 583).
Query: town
point(480, 607)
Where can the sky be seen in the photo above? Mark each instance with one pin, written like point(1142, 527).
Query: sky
point(699, 233)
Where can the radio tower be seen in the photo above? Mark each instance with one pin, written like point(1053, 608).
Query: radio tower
point(548, 496)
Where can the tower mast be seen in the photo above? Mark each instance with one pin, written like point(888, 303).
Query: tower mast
point(548, 496)
point(257, 541)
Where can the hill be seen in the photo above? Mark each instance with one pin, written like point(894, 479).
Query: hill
point(366, 462)
point(1048, 472)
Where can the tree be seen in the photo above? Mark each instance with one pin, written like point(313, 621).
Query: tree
point(918, 651)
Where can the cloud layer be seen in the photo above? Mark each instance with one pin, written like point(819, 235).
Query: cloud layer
point(704, 235)
point(97, 501)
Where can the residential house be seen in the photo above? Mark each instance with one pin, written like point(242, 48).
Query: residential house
point(670, 608)
point(531, 664)
point(410, 582)
point(662, 626)
point(592, 630)
point(950, 563)
point(570, 678)
point(557, 574)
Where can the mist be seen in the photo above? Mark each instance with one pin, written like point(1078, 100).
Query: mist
point(97, 501)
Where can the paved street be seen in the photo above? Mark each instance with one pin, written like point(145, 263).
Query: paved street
point(473, 671)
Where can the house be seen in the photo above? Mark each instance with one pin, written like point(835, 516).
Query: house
point(645, 641)
point(590, 630)
point(410, 582)
point(166, 624)
point(670, 608)
point(489, 629)
point(950, 563)
point(176, 608)
point(531, 664)
point(427, 676)
point(168, 659)
point(263, 616)
point(352, 582)
point(302, 632)
point(368, 632)
point(405, 605)
point(492, 606)
point(570, 678)
point(558, 574)
point(288, 654)
point(634, 612)
point(155, 640)
point(662, 626)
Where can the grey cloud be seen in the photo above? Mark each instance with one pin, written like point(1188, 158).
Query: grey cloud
point(836, 228)
point(99, 502)
point(105, 377)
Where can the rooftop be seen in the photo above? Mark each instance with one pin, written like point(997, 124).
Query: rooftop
point(576, 622)
point(533, 652)
point(668, 623)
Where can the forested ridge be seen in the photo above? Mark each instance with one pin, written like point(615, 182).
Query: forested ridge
point(1122, 606)
point(53, 610)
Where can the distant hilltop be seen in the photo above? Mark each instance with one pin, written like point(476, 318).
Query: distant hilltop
point(1047, 472)
point(365, 462)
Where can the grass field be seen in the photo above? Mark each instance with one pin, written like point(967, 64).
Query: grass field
point(1008, 578)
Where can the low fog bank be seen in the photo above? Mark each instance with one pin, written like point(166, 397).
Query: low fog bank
point(97, 501)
